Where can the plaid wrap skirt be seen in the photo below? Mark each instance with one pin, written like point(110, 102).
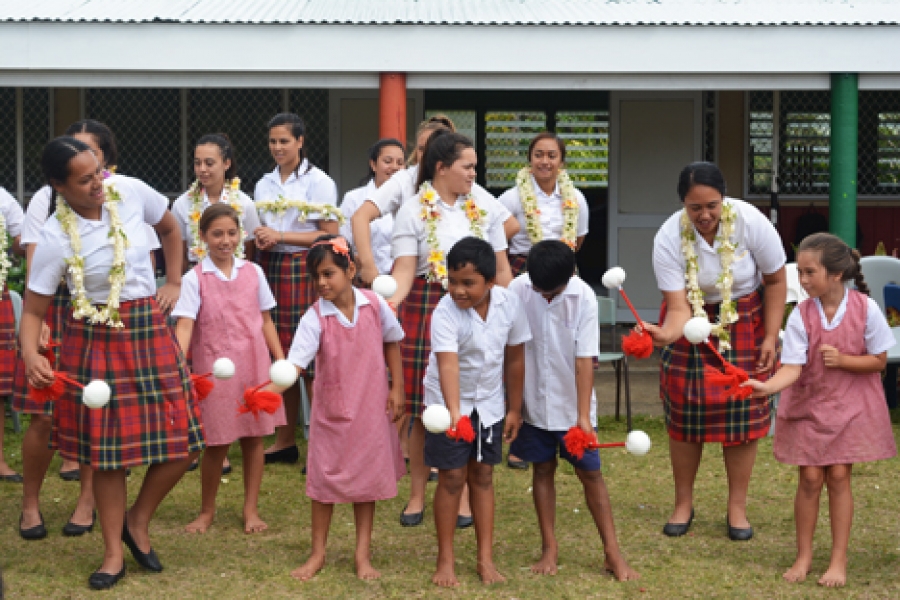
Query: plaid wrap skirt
point(8, 355)
point(60, 307)
point(518, 264)
point(152, 416)
point(697, 411)
point(293, 291)
point(415, 317)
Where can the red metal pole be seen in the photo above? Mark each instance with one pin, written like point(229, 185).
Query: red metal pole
point(392, 109)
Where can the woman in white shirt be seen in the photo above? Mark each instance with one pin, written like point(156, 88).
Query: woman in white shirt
point(425, 229)
point(710, 259)
point(297, 203)
point(99, 243)
point(544, 201)
point(385, 159)
point(215, 167)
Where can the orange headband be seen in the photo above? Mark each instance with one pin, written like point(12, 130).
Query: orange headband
point(338, 246)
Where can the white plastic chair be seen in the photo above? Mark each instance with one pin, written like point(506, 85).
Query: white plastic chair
point(606, 313)
point(879, 271)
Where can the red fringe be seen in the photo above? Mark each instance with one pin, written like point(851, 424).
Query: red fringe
point(203, 385)
point(731, 380)
point(463, 431)
point(577, 441)
point(256, 400)
point(47, 394)
point(637, 344)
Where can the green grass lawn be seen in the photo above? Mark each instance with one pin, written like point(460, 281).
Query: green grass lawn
point(225, 563)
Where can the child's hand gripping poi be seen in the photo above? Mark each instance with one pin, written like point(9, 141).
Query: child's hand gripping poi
point(638, 343)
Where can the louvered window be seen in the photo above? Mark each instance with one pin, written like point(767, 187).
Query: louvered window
point(587, 146)
point(889, 150)
point(507, 135)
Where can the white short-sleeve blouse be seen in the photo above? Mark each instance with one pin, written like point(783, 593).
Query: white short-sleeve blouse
point(12, 213)
point(381, 228)
point(551, 216)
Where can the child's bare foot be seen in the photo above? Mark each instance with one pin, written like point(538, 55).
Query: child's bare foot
point(253, 524)
point(620, 569)
point(445, 576)
point(200, 524)
point(798, 571)
point(835, 576)
point(365, 570)
point(547, 564)
point(308, 570)
point(489, 574)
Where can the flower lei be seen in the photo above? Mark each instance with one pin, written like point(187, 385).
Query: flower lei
point(108, 314)
point(5, 263)
point(528, 198)
point(725, 281)
point(195, 194)
point(304, 209)
point(428, 198)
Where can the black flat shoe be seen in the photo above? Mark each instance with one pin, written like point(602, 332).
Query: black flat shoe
point(289, 455)
point(70, 529)
point(149, 560)
point(14, 478)
point(520, 465)
point(738, 534)
point(464, 522)
point(38, 532)
point(73, 475)
point(432, 476)
point(227, 469)
point(678, 529)
point(104, 581)
point(193, 466)
point(413, 519)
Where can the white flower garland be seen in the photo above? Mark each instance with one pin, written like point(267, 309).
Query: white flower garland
point(195, 193)
point(108, 314)
point(304, 209)
point(528, 199)
point(5, 263)
point(431, 215)
point(725, 281)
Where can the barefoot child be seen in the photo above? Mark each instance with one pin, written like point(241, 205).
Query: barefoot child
point(477, 329)
point(559, 393)
point(354, 453)
point(832, 412)
point(223, 312)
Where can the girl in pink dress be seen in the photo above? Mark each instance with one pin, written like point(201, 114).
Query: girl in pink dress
point(223, 312)
point(832, 412)
point(354, 454)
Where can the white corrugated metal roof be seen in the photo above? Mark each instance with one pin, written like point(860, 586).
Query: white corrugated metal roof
point(461, 12)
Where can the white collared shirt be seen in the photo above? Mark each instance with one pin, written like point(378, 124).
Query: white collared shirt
point(551, 217)
point(759, 252)
point(410, 235)
point(481, 349)
point(181, 210)
point(190, 301)
point(795, 343)
point(140, 206)
point(311, 185)
point(12, 213)
point(562, 330)
point(309, 331)
point(380, 228)
point(38, 211)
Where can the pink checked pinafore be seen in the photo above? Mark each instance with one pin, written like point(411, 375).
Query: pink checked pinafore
point(354, 453)
point(832, 416)
point(229, 324)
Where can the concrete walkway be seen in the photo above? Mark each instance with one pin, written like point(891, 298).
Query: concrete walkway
point(644, 376)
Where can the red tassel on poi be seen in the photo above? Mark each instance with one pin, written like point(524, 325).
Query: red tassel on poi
point(577, 442)
point(637, 344)
point(463, 431)
point(53, 391)
point(203, 385)
point(256, 399)
point(731, 379)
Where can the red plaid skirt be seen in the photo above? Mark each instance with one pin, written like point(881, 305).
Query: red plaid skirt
point(697, 411)
point(415, 317)
point(517, 263)
point(56, 318)
point(8, 356)
point(151, 417)
point(293, 291)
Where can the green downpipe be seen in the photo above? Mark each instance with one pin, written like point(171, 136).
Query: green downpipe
point(843, 164)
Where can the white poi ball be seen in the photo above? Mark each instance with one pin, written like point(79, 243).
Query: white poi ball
point(697, 330)
point(283, 373)
point(614, 278)
point(437, 419)
point(385, 286)
point(96, 394)
point(223, 368)
point(638, 443)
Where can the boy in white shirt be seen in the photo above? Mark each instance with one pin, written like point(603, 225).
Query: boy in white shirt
point(477, 330)
point(562, 315)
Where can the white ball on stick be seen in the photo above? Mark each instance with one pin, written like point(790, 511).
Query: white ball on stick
point(385, 286)
point(638, 443)
point(283, 373)
point(437, 419)
point(96, 394)
point(697, 330)
point(223, 368)
point(614, 278)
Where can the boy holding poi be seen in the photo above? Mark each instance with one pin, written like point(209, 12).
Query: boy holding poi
point(562, 315)
point(477, 330)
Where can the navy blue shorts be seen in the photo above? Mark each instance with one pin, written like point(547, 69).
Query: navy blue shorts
point(536, 445)
point(446, 454)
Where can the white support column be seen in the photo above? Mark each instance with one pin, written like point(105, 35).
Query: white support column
point(20, 146)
